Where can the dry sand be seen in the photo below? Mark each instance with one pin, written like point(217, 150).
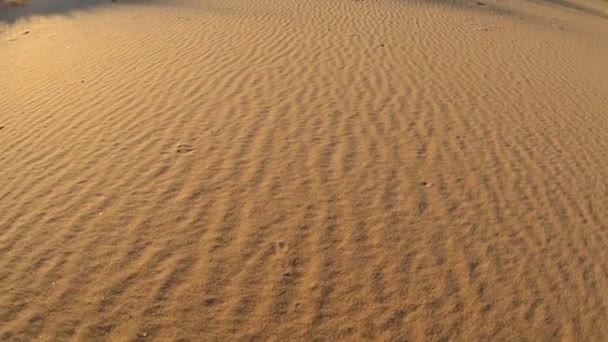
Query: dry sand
point(304, 170)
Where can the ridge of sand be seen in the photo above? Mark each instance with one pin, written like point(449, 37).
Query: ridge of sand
point(300, 170)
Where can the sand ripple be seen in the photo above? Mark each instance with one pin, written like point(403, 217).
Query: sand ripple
point(304, 170)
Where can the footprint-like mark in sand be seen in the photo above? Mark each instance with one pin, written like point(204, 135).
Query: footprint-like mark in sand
point(422, 206)
point(185, 148)
point(210, 301)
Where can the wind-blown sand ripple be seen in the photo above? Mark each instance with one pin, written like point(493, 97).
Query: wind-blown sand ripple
point(306, 170)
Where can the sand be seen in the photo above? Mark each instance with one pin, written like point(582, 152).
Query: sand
point(198, 170)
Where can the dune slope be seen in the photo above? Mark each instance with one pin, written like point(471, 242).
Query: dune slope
point(304, 170)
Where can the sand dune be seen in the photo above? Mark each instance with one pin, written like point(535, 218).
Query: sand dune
point(304, 170)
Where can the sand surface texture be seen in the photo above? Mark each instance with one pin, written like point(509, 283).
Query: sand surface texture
point(304, 170)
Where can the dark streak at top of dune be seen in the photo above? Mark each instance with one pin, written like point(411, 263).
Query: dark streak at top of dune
point(10, 14)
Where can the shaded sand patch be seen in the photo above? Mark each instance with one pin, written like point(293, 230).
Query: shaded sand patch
point(12, 11)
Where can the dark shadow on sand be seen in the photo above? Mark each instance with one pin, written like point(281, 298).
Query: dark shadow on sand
point(10, 14)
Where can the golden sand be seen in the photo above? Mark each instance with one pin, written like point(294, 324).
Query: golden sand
point(304, 170)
